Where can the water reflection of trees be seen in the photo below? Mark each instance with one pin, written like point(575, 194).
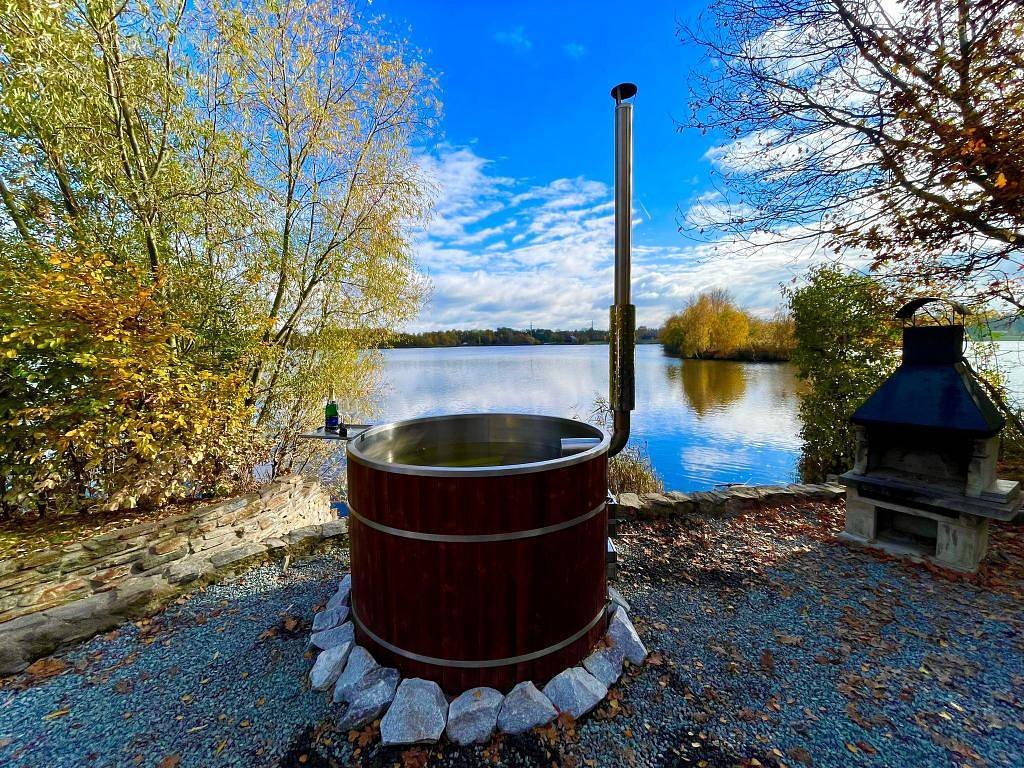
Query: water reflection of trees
point(709, 384)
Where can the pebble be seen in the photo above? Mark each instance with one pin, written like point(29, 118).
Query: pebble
point(524, 708)
point(473, 715)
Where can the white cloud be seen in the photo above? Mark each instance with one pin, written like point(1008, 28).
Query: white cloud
point(515, 38)
point(574, 50)
point(502, 251)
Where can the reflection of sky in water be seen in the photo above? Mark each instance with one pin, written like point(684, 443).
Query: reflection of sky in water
point(703, 422)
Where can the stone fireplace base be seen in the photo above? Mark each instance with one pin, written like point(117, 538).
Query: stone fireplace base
point(958, 541)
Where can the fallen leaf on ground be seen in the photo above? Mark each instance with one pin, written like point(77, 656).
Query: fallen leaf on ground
point(801, 755)
point(47, 667)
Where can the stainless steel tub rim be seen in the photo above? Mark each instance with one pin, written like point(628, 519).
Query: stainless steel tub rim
point(383, 447)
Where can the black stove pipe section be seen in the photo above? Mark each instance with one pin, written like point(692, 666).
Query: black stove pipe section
point(622, 325)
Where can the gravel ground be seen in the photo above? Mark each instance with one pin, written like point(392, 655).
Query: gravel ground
point(773, 644)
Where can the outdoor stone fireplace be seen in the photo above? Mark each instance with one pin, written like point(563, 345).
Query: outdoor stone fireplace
point(924, 480)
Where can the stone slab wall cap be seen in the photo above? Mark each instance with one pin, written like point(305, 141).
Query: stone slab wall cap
point(473, 715)
point(136, 567)
point(332, 637)
point(623, 635)
point(329, 665)
point(329, 619)
point(369, 698)
point(628, 505)
point(575, 691)
point(417, 715)
point(524, 708)
point(360, 663)
point(334, 528)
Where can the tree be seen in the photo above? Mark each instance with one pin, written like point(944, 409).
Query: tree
point(326, 108)
point(250, 162)
point(709, 326)
point(847, 343)
point(891, 130)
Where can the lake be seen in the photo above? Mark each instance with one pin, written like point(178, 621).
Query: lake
point(703, 422)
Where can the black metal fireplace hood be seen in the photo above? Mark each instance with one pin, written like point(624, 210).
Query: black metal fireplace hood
point(933, 388)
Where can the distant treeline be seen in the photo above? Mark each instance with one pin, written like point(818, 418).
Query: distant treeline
point(999, 328)
point(502, 337)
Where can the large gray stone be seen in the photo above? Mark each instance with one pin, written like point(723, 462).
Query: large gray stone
point(616, 597)
point(473, 715)
point(329, 665)
point(334, 528)
point(237, 554)
point(340, 598)
point(622, 634)
point(575, 691)
point(188, 570)
point(369, 698)
point(332, 637)
point(417, 715)
point(605, 664)
point(330, 619)
point(524, 708)
point(360, 663)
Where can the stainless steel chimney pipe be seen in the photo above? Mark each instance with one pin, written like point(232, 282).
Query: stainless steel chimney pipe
point(622, 325)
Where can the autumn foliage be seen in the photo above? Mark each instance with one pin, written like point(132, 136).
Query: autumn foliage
point(887, 130)
point(96, 405)
point(712, 326)
point(205, 217)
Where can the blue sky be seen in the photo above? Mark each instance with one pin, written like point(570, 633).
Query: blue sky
point(522, 164)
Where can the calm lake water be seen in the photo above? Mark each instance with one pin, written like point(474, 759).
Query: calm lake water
point(703, 422)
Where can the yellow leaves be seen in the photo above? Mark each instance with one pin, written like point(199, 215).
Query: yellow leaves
point(1000, 180)
point(98, 383)
point(56, 714)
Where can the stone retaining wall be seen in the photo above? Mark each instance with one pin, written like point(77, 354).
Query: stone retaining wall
point(722, 503)
point(55, 596)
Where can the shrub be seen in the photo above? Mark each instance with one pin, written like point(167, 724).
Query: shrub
point(97, 409)
point(631, 470)
point(712, 326)
point(846, 344)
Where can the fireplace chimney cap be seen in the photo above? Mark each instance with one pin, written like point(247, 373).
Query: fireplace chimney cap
point(907, 311)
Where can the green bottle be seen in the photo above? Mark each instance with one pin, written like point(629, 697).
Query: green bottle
point(331, 421)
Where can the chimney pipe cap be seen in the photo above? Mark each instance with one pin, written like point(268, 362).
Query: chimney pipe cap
point(623, 91)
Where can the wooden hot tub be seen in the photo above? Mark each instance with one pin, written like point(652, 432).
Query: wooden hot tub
point(478, 546)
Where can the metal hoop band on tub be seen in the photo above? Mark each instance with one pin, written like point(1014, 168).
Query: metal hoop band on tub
point(476, 538)
point(476, 664)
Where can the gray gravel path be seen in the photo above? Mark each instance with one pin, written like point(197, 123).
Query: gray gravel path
point(216, 679)
point(773, 645)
